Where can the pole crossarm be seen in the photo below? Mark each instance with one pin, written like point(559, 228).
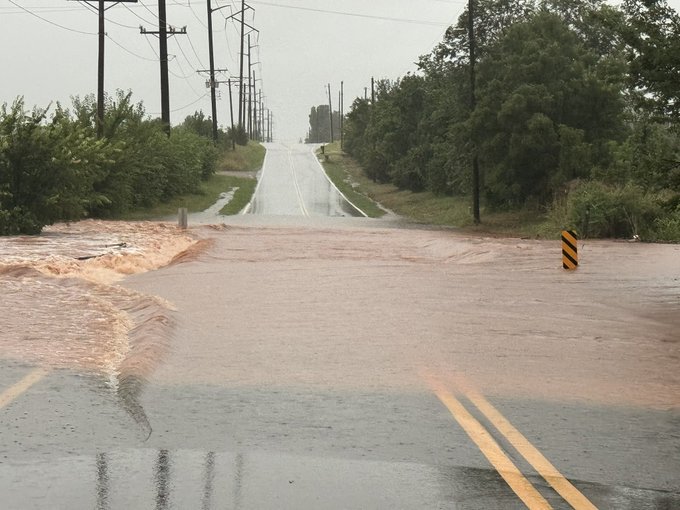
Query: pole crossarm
point(237, 13)
point(113, 2)
point(170, 31)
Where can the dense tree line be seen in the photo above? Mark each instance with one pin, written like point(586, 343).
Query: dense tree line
point(577, 112)
point(320, 125)
point(53, 167)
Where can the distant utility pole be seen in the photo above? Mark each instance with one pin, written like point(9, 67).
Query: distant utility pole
point(261, 121)
point(101, 9)
point(330, 110)
point(212, 82)
point(270, 126)
point(231, 111)
point(254, 103)
point(242, 22)
point(240, 82)
point(249, 96)
point(372, 90)
point(164, 31)
point(473, 105)
point(342, 115)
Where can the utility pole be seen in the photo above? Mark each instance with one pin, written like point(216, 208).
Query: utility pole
point(163, 33)
point(342, 115)
point(231, 111)
point(270, 126)
point(330, 110)
point(212, 84)
point(256, 113)
point(100, 72)
point(255, 100)
point(261, 117)
point(101, 32)
point(372, 90)
point(250, 95)
point(243, 24)
point(163, 47)
point(473, 105)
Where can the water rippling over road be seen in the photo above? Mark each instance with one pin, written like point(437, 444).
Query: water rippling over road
point(63, 309)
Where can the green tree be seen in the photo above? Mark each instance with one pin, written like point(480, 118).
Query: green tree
point(542, 104)
point(651, 31)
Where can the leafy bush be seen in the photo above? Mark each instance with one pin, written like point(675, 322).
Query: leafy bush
point(47, 168)
point(56, 168)
point(595, 209)
point(668, 228)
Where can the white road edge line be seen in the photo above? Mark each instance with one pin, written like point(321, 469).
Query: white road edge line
point(323, 170)
point(246, 209)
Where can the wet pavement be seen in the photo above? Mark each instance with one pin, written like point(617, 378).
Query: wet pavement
point(293, 183)
point(293, 362)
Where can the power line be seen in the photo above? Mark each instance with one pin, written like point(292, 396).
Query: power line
point(352, 14)
point(129, 51)
point(50, 22)
point(195, 52)
point(190, 104)
point(138, 16)
point(183, 107)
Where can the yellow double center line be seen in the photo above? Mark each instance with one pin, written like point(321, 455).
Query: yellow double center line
point(14, 391)
point(499, 459)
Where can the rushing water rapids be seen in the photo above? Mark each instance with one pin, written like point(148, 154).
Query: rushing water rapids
point(62, 308)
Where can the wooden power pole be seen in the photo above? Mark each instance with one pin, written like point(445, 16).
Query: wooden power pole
point(164, 31)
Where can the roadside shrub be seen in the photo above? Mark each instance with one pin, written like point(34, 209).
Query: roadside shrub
point(667, 228)
point(47, 168)
point(238, 135)
point(595, 209)
point(55, 168)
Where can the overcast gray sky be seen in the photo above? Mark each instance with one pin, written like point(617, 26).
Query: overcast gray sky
point(302, 46)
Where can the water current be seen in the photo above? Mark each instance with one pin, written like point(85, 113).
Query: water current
point(63, 309)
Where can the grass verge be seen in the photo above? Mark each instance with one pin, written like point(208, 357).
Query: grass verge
point(246, 158)
point(246, 188)
point(427, 208)
point(197, 202)
point(341, 169)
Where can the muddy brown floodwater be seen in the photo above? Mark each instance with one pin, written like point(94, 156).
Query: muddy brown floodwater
point(387, 308)
point(63, 308)
point(291, 358)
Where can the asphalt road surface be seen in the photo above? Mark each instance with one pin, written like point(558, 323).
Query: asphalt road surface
point(346, 363)
point(292, 183)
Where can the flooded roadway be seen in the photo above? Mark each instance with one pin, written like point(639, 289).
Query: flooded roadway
point(342, 363)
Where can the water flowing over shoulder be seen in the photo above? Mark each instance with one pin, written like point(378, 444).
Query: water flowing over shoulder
point(64, 310)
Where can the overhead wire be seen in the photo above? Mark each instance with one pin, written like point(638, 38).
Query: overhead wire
point(352, 14)
point(49, 21)
point(130, 51)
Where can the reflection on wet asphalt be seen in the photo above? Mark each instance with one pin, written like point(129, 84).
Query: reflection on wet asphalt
point(175, 480)
point(289, 448)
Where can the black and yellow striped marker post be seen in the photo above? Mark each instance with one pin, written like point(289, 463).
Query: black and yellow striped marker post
point(569, 250)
